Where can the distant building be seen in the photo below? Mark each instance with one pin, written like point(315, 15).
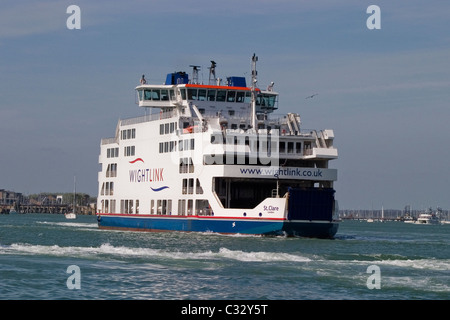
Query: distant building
point(10, 197)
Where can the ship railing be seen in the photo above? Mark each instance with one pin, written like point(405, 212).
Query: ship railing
point(148, 117)
point(224, 114)
point(108, 140)
point(245, 116)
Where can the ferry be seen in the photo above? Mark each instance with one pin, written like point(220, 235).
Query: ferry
point(215, 157)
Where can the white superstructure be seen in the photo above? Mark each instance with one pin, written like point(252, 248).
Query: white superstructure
point(213, 151)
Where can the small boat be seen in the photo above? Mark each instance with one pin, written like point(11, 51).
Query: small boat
point(12, 211)
point(409, 219)
point(427, 218)
point(70, 215)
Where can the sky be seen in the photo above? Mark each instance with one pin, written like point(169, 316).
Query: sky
point(385, 92)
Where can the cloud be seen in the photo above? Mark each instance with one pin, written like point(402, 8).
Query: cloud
point(21, 19)
point(25, 18)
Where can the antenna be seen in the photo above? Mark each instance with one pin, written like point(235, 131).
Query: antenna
point(212, 73)
point(254, 81)
point(195, 70)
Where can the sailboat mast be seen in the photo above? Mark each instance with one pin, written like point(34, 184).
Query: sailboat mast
point(74, 193)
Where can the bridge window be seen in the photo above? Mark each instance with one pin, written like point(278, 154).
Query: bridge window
point(266, 100)
point(240, 96)
point(202, 94)
point(183, 94)
point(154, 94)
point(164, 95)
point(211, 95)
point(221, 94)
point(231, 96)
point(248, 97)
point(192, 94)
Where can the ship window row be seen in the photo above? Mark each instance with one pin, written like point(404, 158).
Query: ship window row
point(290, 147)
point(186, 165)
point(112, 152)
point(161, 207)
point(216, 95)
point(109, 206)
point(129, 151)
point(111, 171)
point(265, 100)
point(188, 186)
point(128, 134)
point(107, 189)
point(167, 128)
point(285, 147)
point(188, 144)
point(127, 206)
point(168, 146)
point(171, 146)
point(202, 207)
point(157, 94)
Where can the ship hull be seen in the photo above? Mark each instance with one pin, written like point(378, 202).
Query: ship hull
point(159, 223)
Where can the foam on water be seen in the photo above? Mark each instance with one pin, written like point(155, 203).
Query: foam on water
point(261, 256)
point(223, 253)
point(108, 249)
point(69, 224)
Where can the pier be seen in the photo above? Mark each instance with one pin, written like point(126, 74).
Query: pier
point(36, 208)
point(45, 208)
point(45, 203)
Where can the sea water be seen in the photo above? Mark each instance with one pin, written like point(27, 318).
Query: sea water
point(45, 256)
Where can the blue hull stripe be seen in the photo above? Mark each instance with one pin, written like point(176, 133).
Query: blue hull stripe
point(226, 225)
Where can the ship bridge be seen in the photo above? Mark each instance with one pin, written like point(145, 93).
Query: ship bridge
point(179, 91)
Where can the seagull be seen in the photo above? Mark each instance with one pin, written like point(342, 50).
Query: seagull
point(309, 97)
